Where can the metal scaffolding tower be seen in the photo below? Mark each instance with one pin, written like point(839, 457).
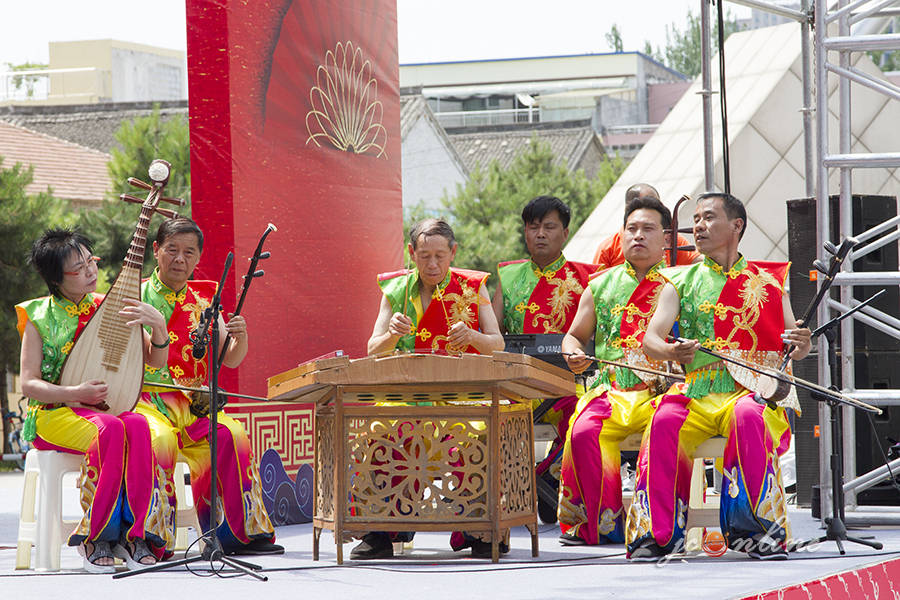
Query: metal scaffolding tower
point(845, 28)
point(834, 33)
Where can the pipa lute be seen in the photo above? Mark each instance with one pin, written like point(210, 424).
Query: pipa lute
point(108, 349)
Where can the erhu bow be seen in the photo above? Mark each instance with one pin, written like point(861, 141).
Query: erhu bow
point(783, 377)
point(612, 363)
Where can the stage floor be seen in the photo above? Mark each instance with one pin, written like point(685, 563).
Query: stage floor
point(432, 570)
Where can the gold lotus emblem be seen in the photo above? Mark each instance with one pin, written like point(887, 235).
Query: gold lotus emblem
point(346, 111)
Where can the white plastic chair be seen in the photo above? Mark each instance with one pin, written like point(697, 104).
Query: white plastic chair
point(186, 514)
point(44, 470)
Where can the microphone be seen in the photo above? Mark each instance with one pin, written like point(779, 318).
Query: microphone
point(199, 336)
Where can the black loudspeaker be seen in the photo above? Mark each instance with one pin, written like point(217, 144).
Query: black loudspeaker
point(875, 353)
point(806, 441)
point(879, 370)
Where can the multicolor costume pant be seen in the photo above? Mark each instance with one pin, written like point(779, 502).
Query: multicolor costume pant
point(590, 487)
point(241, 509)
point(123, 488)
point(560, 416)
point(752, 498)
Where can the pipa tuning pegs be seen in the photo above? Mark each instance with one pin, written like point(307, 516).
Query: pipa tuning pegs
point(134, 181)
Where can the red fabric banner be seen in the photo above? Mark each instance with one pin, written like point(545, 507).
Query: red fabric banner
point(295, 120)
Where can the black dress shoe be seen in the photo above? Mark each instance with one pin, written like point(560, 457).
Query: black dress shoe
point(373, 545)
point(482, 549)
point(257, 547)
point(647, 552)
point(567, 539)
point(766, 548)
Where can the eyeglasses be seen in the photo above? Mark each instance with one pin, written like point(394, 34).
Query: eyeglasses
point(85, 268)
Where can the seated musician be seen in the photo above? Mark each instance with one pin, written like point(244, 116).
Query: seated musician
point(741, 309)
point(615, 309)
point(609, 252)
point(119, 476)
point(540, 294)
point(433, 308)
point(180, 424)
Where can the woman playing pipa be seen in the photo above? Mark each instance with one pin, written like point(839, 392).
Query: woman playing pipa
point(120, 490)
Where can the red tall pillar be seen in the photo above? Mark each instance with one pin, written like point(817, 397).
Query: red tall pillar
point(295, 120)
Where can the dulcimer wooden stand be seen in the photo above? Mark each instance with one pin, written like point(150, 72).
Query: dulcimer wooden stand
point(423, 442)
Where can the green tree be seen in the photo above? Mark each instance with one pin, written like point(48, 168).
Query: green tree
point(23, 217)
point(28, 81)
point(887, 60)
point(486, 212)
point(614, 38)
point(112, 226)
point(682, 51)
point(649, 51)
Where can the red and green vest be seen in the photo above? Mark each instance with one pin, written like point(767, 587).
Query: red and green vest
point(623, 306)
point(455, 299)
point(182, 311)
point(539, 300)
point(59, 321)
point(737, 313)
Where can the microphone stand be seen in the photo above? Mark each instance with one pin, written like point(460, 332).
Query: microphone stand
point(836, 531)
point(212, 547)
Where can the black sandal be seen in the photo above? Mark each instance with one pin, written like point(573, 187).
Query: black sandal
point(133, 553)
point(98, 550)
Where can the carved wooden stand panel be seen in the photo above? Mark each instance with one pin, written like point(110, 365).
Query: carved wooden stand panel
point(423, 468)
point(427, 443)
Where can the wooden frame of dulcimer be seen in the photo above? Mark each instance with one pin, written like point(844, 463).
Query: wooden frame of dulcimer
point(107, 349)
point(203, 390)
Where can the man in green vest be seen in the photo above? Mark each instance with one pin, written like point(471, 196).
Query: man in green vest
point(739, 308)
point(540, 294)
point(431, 308)
point(615, 309)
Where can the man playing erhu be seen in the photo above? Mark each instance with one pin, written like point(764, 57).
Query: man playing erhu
point(180, 426)
point(740, 309)
point(615, 309)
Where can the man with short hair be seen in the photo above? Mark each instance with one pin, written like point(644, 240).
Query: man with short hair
point(431, 308)
point(540, 294)
point(740, 309)
point(460, 321)
point(614, 309)
point(178, 424)
point(609, 252)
